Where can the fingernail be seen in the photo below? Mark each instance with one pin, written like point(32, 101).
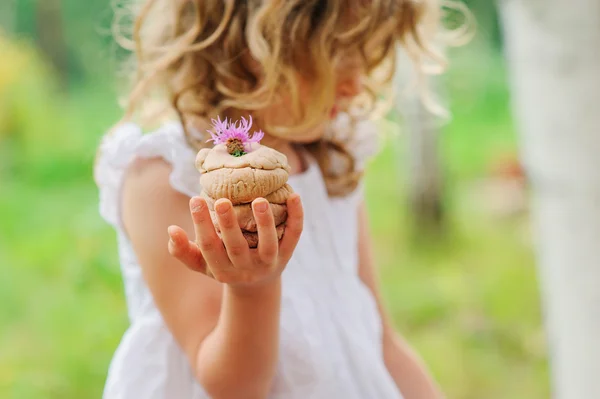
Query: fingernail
point(260, 206)
point(222, 207)
point(171, 232)
point(196, 204)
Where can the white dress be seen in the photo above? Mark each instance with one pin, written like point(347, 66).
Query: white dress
point(330, 340)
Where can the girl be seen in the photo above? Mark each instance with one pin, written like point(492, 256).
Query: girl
point(300, 318)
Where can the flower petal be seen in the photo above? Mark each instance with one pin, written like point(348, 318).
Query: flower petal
point(224, 130)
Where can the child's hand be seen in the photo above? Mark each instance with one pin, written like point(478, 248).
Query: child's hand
point(235, 263)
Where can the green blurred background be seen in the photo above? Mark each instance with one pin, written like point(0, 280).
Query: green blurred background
point(466, 297)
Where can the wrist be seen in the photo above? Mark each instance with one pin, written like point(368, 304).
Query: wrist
point(265, 289)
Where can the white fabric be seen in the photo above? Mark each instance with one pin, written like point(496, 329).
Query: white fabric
point(330, 341)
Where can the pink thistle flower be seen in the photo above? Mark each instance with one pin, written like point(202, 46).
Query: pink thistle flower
point(236, 136)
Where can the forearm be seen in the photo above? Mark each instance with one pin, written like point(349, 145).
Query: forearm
point(239, 357)
point(407, 370)
point(403, 364)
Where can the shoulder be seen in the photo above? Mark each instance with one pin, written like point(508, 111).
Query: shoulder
point(149, 178)
point(154, 164)
point(149, 202)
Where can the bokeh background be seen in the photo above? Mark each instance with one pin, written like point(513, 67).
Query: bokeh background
point(462, 288)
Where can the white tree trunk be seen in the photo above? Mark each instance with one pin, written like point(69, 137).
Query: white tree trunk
point(424, 178)
point(554, 56)
point(425, 173)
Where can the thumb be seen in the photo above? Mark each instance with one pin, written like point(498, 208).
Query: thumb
point(184, 250)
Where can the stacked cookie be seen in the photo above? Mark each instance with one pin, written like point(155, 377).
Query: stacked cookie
point(261, 173)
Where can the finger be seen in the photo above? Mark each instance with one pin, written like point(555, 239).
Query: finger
point(206, 237)
point(235, 243)
point(184, 250)
point(293, 228)
point(265, 225)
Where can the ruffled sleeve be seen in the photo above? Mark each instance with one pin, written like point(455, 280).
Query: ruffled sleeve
point(360, 137)
point(127, 142)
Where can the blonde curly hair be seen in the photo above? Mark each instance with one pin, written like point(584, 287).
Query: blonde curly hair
point(199, 59)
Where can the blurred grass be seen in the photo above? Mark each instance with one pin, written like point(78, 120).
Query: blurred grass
point(467, 301)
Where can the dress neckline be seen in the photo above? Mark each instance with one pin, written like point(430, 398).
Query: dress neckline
point(305, 176)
